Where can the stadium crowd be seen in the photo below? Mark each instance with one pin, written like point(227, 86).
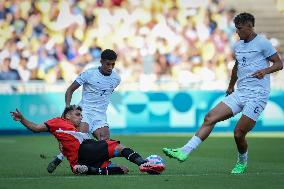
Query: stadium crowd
point(280, 5)
point(172, 43)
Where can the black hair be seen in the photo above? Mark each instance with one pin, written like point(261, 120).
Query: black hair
point(244, 18)
point(71, 108)
point(108, 54)
point(7, 59)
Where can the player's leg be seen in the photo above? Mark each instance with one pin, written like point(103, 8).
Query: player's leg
point(128, 153)
point(252, 109)
point(84, 127)
point(102, 133)
point(55, 162)
point(244, 125)
point(93, 158)
point(99, 128)
point(134, 157)
point(219, 113)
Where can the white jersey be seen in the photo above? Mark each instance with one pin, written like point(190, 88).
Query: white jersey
point(96, 92)
point(252, 57)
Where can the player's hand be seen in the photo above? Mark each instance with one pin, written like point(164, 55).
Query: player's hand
point(229, 91)
point(124, 169)
point(259, 74)
point(17, 115)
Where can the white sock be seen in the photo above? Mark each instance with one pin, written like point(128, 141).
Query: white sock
point(243, 158)
point(60, 156)
point(192, 144)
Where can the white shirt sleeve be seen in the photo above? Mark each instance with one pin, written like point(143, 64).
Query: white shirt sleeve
point(82, 78)
point(267, 49)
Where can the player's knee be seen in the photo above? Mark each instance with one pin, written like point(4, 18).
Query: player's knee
point(104, 137)
point(84, 128)
point(238, 134)
point(209, 119)
point(119, 148)
point(102, 133)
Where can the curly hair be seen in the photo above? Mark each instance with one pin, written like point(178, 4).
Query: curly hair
point(244, 18)
point(108, 54)
point(70, 108)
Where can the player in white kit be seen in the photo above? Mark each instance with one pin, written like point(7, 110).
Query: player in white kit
point(98, 84)
point(253, 54)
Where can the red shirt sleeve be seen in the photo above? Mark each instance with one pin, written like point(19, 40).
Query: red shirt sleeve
point(54, 124)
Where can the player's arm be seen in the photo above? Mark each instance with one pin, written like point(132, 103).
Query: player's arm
point(277, 65)
point(69, 92)
point(18, 116)
point(233, 80)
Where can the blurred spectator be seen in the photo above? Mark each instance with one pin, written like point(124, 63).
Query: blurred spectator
point(280, 5)
point(24, 72)
point(163, 40)
point(3, 10)
point(6, 72)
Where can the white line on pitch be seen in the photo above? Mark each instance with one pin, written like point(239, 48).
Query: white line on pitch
point(134, 176)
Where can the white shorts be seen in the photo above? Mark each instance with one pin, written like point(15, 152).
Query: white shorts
point(94, 122)
point(250, 103)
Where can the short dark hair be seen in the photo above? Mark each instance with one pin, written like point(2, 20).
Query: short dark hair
point(108, 54)
point(244, 18)
point(70, 108)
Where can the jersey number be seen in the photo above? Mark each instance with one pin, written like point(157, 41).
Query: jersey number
point(103, 92)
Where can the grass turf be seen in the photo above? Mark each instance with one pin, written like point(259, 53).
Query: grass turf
point(207, 167)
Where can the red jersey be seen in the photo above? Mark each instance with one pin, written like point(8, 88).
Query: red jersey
point(70, 138)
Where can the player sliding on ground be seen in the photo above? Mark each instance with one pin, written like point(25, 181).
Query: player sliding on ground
point(86, 155)
point(251, 72)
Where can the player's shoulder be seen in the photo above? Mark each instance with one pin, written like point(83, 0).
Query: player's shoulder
point(54, 121)
point(115, 74)
point(91, 70)
point(262, 40)
point(261, 37)
point(237, 44)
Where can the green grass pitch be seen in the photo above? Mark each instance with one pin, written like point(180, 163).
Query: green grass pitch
point(207, 167)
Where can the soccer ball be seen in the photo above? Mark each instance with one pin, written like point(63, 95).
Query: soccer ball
point(155, 159)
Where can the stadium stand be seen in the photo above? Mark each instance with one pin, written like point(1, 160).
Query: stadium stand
point(162, 45)
point(280, 6)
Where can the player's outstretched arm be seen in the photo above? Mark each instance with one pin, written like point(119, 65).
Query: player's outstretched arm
point(18, 116)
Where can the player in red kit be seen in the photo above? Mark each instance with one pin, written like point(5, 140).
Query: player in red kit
point(86, 155)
